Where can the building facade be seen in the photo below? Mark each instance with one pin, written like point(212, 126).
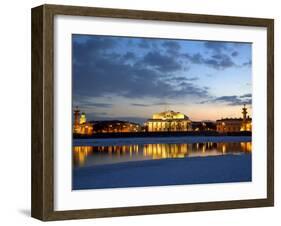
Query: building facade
point(226, 125)
point(81, 126)
point(204, 126)
point(116, 126)
point(168, 121)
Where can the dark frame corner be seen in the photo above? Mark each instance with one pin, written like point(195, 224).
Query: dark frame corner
point(42, 194)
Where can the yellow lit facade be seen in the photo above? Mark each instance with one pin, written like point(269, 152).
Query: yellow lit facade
point(247, 121)
point(235, 124)
point(81, 126)
point(82, 118)
point(168, 121)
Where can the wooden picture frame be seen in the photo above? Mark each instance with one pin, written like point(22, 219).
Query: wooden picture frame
point(43, 112)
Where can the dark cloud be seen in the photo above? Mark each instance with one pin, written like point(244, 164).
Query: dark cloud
point(217, 61)
point(221, 62)
point(248, 95)
point(100, 105)
point(162, 103)
point(99, 71)
point(231, 100)
point(226, 98)
point(141, 105)
point(172, 47)
point(195, 58)
point(89, 48)
point(144, 44)
point(234, 54)
point(86, 102)
point(181, 79)
point(161, 62)
point(216, 46)
point(218, 56)
point(191, 79)
point(94, 114)
point(247, 63)
point(129, 56)
point(221, 55)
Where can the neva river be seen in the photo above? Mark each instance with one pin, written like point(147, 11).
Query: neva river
point(130, 162)
point(110, 151)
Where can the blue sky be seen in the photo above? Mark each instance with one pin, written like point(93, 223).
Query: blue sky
point(130, 78)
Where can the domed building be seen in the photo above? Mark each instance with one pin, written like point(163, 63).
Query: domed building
point(81, 126)
point(168, 121)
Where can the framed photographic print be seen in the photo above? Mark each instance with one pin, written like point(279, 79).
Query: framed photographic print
point(141, 112)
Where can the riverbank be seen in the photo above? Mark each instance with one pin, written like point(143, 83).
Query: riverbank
point(160, 134)
point(159, 140)
point(196, 170)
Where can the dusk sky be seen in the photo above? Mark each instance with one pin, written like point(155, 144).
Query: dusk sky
point(129, 78)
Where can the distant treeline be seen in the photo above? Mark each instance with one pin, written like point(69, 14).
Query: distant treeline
point(162, 134)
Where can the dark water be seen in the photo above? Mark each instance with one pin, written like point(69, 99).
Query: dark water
point(100, 155)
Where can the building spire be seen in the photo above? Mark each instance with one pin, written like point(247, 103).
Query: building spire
point(244, 113)
point(244, 123)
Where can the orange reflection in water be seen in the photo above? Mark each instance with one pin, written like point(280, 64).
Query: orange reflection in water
point(246, 146)
point(162, 151)
point(138, 152)
point(80, 154)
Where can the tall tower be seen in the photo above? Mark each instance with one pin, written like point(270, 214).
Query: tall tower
point(244, 113)
point(244, 123)
point(76, 117)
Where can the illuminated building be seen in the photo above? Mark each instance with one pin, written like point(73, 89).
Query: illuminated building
point(82, 118)
point(81, 126)
point(116, 126)
point(203, 126)
point(247, 121)
point(168, 121)
point(235, 124)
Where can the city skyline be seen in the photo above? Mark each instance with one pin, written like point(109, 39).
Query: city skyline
point(130, 79)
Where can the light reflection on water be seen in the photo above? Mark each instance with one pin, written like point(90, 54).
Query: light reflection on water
point(99, 155)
